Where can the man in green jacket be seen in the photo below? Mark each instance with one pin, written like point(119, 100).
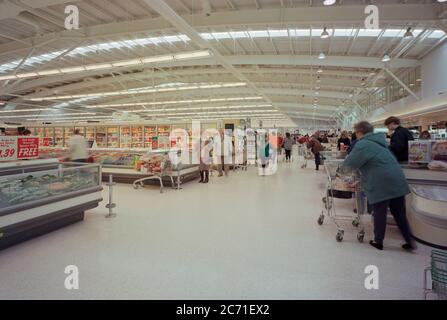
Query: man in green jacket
point(383, 182)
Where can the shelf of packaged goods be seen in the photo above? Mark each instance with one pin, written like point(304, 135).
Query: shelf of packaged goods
point(90, 133)
point(125, 137)
point(113, 137)
point(137, 137)
point(101, 137)
point(149, 133)
point(59, 137)
point(68, 132)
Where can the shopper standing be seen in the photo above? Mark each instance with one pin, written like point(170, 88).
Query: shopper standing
point(78, 147)
point(315, 146)
point(399, 138)
point(345, 140)
point(425, 135)
point(205, 161)
point(382, 180)
point(288, 146)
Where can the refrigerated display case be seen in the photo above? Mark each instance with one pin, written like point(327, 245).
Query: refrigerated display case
point(90, 133)
point(101, 137)
point(137, 137)
point(39, 196)
point(113, 137)
point(59, 137)
point(125, 137)
point(68, 133)
point(149, 133)
point(163, 132)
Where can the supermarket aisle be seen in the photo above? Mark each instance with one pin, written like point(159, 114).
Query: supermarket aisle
point(241, 237)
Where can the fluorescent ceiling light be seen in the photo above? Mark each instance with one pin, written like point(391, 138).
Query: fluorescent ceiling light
point(155, 103)
point(329, 2)
point(192, 55)
point(51, 115)
point(26, 110)
point(158, 59)
point(127, 63)
point(321, 56)
point(140, 91)
point(386, 58)
point(72, 69)
point(98, 66)
point(320, 70)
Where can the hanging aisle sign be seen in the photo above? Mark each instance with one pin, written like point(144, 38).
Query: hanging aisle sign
point(18, 148)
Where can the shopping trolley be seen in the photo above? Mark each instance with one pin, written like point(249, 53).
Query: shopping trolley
point(342, 184)
point(156, 168)
point(438, 274)
point(304, 152)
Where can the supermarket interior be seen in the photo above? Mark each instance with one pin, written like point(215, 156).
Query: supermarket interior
point(223, 149)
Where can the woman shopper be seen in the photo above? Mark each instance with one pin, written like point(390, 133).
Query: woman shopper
point(315, 146)
point(288, 146)
point(345, 140)
point(382, 180)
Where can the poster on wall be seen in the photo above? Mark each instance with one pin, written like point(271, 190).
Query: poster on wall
point(8, 148)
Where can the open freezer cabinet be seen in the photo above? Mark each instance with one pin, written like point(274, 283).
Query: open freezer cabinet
point(39, 196)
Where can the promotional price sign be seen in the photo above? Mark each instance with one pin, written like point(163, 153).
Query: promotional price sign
point(27, 148)
point(154, 143)
point(8, 148)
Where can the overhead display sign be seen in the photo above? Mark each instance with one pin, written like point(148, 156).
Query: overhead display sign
point(18, 148)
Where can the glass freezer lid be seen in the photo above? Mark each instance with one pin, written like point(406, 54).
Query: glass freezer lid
point(435, 193)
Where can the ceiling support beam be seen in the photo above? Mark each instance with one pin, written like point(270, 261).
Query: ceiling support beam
point(402, 84)
point(173, 18)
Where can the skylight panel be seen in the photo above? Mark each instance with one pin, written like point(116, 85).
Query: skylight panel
point(436, 34)
point(238, 34)
point(343, 32)
point(369, 32)
point(278, 33)
point(221, 35)
point(393, 32)
point(258, 34)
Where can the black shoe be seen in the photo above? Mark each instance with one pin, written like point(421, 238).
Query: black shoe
point(376, 245)
point(408, 247)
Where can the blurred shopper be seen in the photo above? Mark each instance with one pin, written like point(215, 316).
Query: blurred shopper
point(224, 151)
point(425, 135)
point(78, 147)
point(344, 139)
point(382, 180)
point(399, 138)
point(280, 143)
point(315, 146)
point(205, 161)
point(288, 146)
point(264, 149)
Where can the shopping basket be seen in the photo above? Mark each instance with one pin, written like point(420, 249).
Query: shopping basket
point(438, 274)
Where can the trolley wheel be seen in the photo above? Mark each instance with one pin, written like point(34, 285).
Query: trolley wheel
point(324, 199)
point(355, 222)
point(136, 186)
point(360, 236)
point(339, 236)
point(320, 219)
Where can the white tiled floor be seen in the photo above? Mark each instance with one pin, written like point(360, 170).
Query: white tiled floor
point(239, 237)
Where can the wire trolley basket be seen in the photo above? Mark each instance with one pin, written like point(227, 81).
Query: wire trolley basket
point(342, 184)
point(438, 275)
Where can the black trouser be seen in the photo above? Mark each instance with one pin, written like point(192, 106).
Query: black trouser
point(288, 153)
point(317, 160)
point(397, 208)
point(80, 160)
